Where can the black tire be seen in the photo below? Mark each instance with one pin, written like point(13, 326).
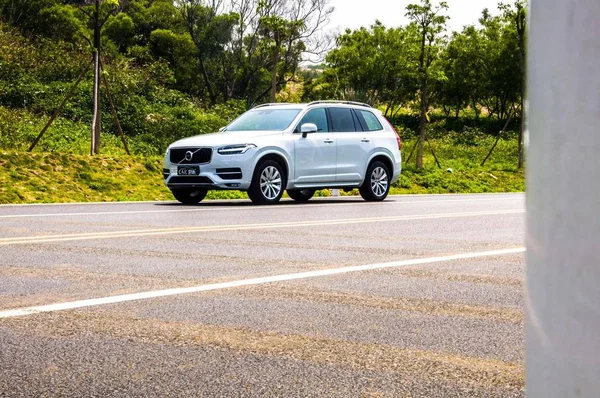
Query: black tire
point(271, 173)
point(190, 196)
point(376, 185)
point(301, 195)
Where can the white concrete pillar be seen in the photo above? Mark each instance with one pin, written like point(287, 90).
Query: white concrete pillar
point(563, 200)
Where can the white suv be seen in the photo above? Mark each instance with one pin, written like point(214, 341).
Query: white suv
point(295, 147)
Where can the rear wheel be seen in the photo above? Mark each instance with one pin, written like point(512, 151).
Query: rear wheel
point(190, 196)
point(267, 183)
point(376, 186)
point(301, 195)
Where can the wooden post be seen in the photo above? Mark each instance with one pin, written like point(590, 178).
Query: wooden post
point(498, 139)
point(433, 153)
point(114, 111)
point(411, 152)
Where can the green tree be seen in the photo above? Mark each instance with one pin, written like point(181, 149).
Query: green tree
point(277, 31)
point(515, 15)
point(463, 64)
point(25, 14)
point(121, 30)
point(372, 65)
point(429, 24)
point(503, 84)
point(277, 37)
point(210, 32)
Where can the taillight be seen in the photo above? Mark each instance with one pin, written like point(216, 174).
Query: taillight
point(397, 134)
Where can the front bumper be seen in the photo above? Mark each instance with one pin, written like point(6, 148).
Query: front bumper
point(223, 172)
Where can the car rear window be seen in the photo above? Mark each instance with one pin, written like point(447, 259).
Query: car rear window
point(369, 121)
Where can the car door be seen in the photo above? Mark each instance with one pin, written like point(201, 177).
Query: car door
point(353, 144)
point(315, 155)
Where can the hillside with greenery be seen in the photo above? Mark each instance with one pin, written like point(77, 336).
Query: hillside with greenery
point(187, 67)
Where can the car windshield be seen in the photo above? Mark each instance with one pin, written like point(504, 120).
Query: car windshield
point(264, 119)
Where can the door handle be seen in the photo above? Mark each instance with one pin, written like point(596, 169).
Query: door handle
point(366, 140)
point(328, 141)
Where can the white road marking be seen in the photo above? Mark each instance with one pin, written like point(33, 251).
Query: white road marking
point(247, 282)
point(241, 227)
point(125, 202)
point(245, 208)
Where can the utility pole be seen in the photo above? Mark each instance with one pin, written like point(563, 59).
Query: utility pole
point(96, 120)
point(563, 193)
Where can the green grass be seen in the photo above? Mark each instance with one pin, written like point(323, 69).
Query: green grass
point(60, 177)
point(463, 154)
point(47, 177)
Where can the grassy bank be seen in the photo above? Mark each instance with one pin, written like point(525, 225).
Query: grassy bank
point(460, 156)
point(59, 177)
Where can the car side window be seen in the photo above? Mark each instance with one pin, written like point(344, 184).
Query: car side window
point(341, 120)
point(369, 121)
point(318, 117)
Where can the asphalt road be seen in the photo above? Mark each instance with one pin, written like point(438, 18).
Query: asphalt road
point(415, 296)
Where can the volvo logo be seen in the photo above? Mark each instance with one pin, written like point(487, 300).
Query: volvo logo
point(189, 155)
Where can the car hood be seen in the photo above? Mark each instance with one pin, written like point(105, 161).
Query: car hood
point(224, 138)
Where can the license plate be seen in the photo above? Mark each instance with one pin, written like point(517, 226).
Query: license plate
point(188, 171)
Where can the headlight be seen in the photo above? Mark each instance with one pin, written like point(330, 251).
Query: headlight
point(235, 149)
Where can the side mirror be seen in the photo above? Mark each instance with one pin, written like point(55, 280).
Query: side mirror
point(222, 128)
point(308, 128)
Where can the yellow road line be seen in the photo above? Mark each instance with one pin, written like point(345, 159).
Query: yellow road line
point(240, 227)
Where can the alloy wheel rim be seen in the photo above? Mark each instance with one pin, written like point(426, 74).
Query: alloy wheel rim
point(270, 182)
point(379, 181)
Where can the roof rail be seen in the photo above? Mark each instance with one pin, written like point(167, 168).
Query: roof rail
point(272, 104)
point(340, 102)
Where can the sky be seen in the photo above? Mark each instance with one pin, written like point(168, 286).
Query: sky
point(356, 13)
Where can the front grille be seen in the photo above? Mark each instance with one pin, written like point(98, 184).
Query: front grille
point(190, 180)
point(230, 174)
point(200, 155)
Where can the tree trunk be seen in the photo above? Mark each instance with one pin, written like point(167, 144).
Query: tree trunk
point(96, 120)
point(422, 125)
point(521, 132)
point(423, 121)
point(475, 109)
point(276, 55)
point(211, 93)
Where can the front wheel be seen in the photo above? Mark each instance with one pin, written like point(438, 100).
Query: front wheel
point(376, 186)
point(301, 195)
point(267, 183)
point(189, 196)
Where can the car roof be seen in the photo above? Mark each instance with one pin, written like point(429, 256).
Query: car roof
point(283, 105)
